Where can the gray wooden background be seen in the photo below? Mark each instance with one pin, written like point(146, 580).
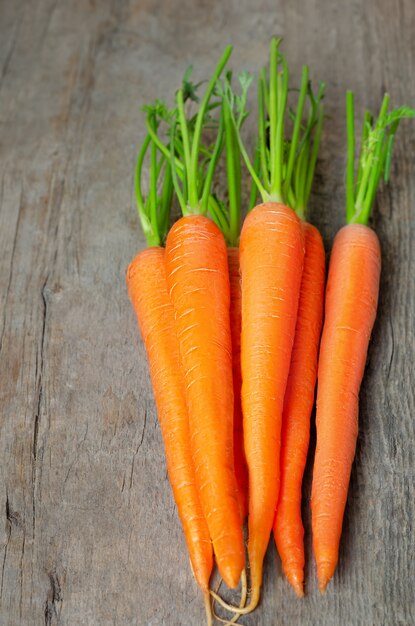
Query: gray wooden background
point(89, 533)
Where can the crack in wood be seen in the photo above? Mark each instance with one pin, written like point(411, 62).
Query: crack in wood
point(392, 350)
point(54, 600)
point(6, 543)
point(39, 377)
point(135, 454)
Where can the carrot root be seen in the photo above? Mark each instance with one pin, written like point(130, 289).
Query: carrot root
point(208, 609)
point(198, 283)
point(351, 303)
point(272, 256)
point(298, 404)
point(147, 289)
point(242, 602)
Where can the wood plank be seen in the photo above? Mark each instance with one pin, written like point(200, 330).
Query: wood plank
point(89, 532)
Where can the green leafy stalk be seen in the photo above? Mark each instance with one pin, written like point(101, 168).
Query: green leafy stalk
point(154, 210)
point(284, 166)
point(277, 171)
point(307, 152)
point(297, 128)
point(253, 195)
point(374, 159)
point(234, 113)
point(262, 129)
point(194, 164)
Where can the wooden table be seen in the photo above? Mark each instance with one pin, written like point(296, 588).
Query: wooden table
point(89, 532)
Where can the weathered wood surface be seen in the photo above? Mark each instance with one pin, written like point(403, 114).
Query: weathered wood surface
point(89, 533)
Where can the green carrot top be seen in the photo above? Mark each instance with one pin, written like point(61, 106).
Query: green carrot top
point(192, 164)
point(233, 114)
point(375, 156)
point(283, 170)
point(154, 210)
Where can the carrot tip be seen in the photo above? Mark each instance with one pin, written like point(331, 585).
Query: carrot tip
point(322, 585)
point(229, 576)
point(324, 572)
point(296, 580)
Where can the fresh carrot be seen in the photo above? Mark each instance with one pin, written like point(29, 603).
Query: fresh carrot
point(147, 288)
point(198, 283)
point(350, 311)
point(271, 259)
point(228, 218)
point(299, 394)
point(298, 404)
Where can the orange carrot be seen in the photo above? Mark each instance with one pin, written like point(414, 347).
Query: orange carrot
point(351, 302)
point(272, 252)
point(241, 470)
point(350, 311)
point(271, 259)
point(298, 404)
point(299, 395)
point(147, 289)
point(198, 282)
point(229, 221)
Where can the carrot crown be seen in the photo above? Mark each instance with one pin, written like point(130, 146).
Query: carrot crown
point(193, 165)
point(283, 168)
point(232, 116)
point(154, 210)
point(375, 156)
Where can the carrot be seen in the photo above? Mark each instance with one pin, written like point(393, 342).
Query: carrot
point(271, 258)
point(147, 288)
point(351, 301)
point(299, 394)
point(228, 218)
point(271, 234)
point(350, 311)
point(298, 404)
point(198, 283)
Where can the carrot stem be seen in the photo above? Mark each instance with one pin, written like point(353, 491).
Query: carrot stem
point(254, 189)
point(313, 156)
point(192, 173)
point(186, 145)
point(234, 113)
point(262, 132)
point(297, 127)
point(284, 169)
point(233, 169)
point(153, 180)
point(217, 150)
point(374, 159)
point(277, 172)
point(154, 210)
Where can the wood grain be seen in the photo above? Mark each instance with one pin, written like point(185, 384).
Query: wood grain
point(89, 533)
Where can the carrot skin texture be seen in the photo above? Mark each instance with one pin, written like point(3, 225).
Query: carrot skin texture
point(198, 283)
point(271, 258)
point(241, 470)
point(298, 405)
point(350, 312)
point(147, 288)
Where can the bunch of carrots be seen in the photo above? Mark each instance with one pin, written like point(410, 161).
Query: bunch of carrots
point(231, 315)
